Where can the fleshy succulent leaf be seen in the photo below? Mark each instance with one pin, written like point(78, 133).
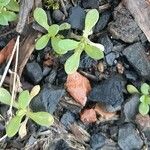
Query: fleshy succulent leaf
point(41, 118)
point(13, 6)
point(145, 88)
point(132, 89)
point(4, 2)
point(94, 52)
point(64, 26)
point(143, 108)
point(53, 30)
point(41, 18)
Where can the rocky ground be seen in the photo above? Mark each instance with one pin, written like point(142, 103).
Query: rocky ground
point(126, 61)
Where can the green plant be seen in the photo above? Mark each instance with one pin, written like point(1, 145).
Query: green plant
point(144, 97)
point(8, 9)
point(94, 50)
point(22, 105)
point(52, 31)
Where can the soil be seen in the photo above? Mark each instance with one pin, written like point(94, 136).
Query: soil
point(126, 61)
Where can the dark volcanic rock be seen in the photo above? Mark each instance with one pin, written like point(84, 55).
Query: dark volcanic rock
point(105, 40)
point(47, 99)
point(67, 119)
point(130, 75)
point(103, 21)
point(90, 3)
point(110, 58)
point(34, 72)
point(124, 27)
point(109, 92)
point(76, 18)
point(137, 58)
point(51, 77)
point(128, 138)
point(97, 141)
point(131, 108)
point(58, 15)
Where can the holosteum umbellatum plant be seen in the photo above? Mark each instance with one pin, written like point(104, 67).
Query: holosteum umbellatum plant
point(62, 46)
point(144, 97)
point(19, 120)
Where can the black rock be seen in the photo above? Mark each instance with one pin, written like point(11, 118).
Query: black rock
point(109, 92)
point(136, 56)
point(130, 75)
point(58, 15)
point(97, 141)
point(51, 77)
point(46, 71)
point(90, 3)
point(131, 108)
point(110, 58)
point(128, 138)
point(124, 27)
point(87, 62)
point(34, 72)
point(103, 21)
point(106, 42)
point(76, 18)
point(47, 99)
point(67, 119)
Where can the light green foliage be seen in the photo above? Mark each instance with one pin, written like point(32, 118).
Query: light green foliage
point(54, 4)
point(62, 46)
point(94, 50)
point(52, 30)
point(144, 98)
point(8, 9)
point(22, 104)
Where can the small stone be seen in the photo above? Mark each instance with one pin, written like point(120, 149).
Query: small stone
point(128, 138)
point(88, 116)
point(90, 3)
point(51, 77)
point(76, 18)
point(47, 99)
point(103, 21)
point(78, 87)
point(46, 71)
point(58, 15)
point(106, 42)
point(130, 75)
point(124, 27)
point(110, 58)
point(97, 141)
point(34, 72)
point(67, 119)
point(136, 56)
point(131, 108)
point(109, 92)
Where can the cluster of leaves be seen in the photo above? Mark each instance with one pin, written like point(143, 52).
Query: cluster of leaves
point(54, 4)
point(144, 98)
point(62, 46)
point(22, 105)
point(8, 10)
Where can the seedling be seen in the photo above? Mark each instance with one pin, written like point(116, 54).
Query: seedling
point(8, 9)
point(22, 105)
point(144, 98)
point(52, 31)
point(94, 50)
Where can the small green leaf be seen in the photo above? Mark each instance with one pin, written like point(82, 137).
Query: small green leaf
point(24, 99)
point(143, 109)
point(4, 2)
point(41, 18)
point(145, 88)
point(142, 98)
point(11, 16)
point(53, 30)
point(41, 118)
point(57, 49)
point(35, 90)
point(94, 52)
point(68, 44)
point(13, 6)
point(3, 20)
point(90, 20)
point(72, 63)
point(64, 26)
point(42, 42)
point(132, 89)
point(147, 99)
point(13, 126)
point(5, 96)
